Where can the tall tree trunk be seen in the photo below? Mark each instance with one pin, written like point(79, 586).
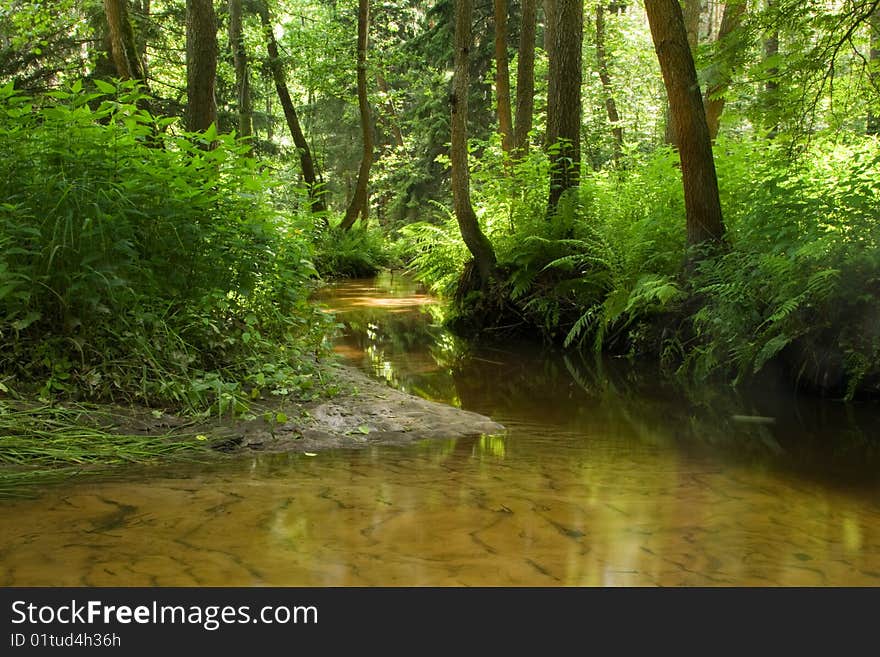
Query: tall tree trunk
point(525, 80)
point(771, 87)
point(201, 64)
point(608, 91)
point(242, 74)
point(565, 70)
point(316, 196)
point(477, 243)
point(124, 50)
point(702, 204)
point(693, 12)
point(715, 89)
point(360, 202)
point(874, 59)
point(550, 7)
point(502, 76)
point(394, 121)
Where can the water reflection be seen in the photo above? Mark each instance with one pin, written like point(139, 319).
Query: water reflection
point(600, 480)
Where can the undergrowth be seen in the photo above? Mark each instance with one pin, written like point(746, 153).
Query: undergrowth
point(797, 286)
point(138, 264)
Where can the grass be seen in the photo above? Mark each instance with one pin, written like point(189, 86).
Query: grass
point(44, 443)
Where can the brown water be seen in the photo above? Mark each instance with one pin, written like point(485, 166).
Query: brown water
point(600, 480)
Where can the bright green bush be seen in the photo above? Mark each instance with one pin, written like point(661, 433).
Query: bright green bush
point(801, 283)
point(135, 263)
point(355, 253)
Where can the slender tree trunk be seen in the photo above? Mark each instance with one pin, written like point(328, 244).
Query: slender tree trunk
point(550, 7)
point(270, 127)
point(693, 12)
point(771, 87)
point(124, 50)
point(299, 139)
point(142, 46)
point(394, 122)
point(242, 74)
point(360, 202)
point(502, 77)
point(565, 69)
point(702, 204)
point(477, 243)
point(715, 89)
point(874, 60)
point(525, 79)
point(610, 104)
point(201, 65)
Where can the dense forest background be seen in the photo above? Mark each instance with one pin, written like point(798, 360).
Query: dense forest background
point(693, 183)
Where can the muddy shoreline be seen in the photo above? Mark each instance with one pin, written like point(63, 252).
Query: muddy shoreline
point(365, 412)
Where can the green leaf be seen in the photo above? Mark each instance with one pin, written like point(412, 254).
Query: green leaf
point(105, 87)
point(26, 321)
point(364, 429)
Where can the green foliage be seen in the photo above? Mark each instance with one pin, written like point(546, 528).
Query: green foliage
point(137, 264)
point(798, 285)
point(435, 251)
point(356, 253)
point(803, 278)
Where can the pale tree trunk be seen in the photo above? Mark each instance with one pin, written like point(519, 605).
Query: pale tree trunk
point(693, 12)
point(242, 74)
point(201, 65)
point(123, 49)
point(874, 59)
point(608, 91)
point(360, 201)
point(477, 243)
point(525, 79)
point(715, 89)
point(502, 76)
point(702, 204)
point(299, 140)
point(549, 48)
point(566, 71)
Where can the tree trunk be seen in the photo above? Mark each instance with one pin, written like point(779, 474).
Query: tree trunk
point(715, 89)
point(394, 122)
point(242, 74)
point(525, 80)
point(201, 65)
point(610, 104)
point(550, 7)
point(702, 204)
point(502, 76)
point(477, 243)
point(771, 88)
point(360, 202)
point(693, 12)
point(874, 59)
point(565, 70)
point(299, 139)
point(124, 50)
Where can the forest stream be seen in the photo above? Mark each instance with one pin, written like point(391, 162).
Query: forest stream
point(604, 476)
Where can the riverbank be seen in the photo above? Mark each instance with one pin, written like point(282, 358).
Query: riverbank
point(39, 443)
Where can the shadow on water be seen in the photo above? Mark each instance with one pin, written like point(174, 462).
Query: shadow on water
point(393, 331)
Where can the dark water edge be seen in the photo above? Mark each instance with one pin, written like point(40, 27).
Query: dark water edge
point(767, 421)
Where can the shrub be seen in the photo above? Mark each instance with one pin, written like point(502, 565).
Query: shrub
point(136, 263)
